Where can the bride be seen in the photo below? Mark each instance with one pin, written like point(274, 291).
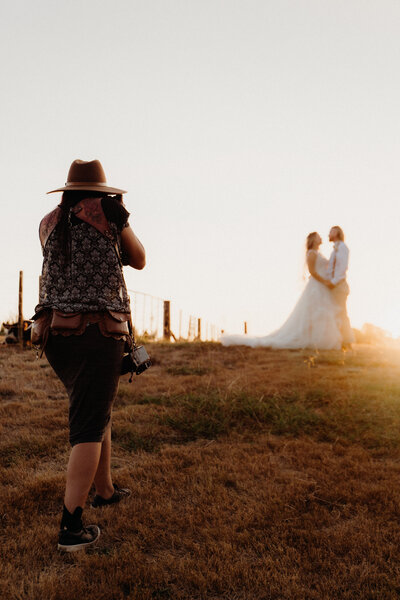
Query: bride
point(312, 323)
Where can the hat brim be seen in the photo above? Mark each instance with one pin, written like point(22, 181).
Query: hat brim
point(89, 188)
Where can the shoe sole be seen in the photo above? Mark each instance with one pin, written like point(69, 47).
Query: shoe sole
point(103, 505)
point(109, 503)
point(76, 547)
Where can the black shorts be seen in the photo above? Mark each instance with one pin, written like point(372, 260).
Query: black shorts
point(89, 366)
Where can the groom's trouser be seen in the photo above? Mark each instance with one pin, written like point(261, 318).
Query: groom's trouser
point(340, 293)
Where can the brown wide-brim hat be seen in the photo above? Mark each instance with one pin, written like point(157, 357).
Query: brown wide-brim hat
point(87, 176)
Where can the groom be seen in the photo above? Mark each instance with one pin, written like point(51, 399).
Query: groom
point(338, 264)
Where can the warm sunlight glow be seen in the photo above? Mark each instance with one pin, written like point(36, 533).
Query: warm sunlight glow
point(236, 132)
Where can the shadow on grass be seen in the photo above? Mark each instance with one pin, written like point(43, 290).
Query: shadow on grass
point(360, 420)
point(211, 415)
point(128, 439)
point(7, 391)
point(22, 449)
point(316, 413)
point(188, 370)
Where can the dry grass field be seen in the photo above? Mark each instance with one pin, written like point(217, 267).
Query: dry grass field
point(255, 474)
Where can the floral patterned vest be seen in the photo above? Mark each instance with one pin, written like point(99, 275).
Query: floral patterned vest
point(93, 279)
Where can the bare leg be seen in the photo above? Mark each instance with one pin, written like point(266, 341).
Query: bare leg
point(102, 479)
point(82, 466)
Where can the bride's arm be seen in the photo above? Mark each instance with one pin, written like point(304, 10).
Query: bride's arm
point(311, 258)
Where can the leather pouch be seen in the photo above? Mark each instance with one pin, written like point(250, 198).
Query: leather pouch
point(61, 321)
point(40, 327)
point(116, 322)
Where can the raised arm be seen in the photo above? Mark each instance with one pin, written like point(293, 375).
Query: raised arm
point(133, 248)
point(311, 259)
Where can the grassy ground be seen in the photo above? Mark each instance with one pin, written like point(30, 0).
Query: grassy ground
point(256, 474)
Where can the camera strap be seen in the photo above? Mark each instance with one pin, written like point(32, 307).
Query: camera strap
point(131, 334)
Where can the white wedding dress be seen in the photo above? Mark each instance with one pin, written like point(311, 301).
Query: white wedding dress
point(312, 323)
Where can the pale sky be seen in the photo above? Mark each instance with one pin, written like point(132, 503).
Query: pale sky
point(236, 126)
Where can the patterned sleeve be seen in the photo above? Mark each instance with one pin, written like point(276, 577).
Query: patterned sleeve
point(115, 212)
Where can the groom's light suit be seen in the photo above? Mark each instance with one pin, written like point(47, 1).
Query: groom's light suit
point(338, 265)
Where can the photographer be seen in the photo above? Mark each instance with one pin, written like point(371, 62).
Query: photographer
point(82, 323)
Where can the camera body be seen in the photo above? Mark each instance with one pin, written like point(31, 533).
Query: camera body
point(136, 361)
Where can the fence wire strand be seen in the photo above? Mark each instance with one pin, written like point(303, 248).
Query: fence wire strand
point(148, 320)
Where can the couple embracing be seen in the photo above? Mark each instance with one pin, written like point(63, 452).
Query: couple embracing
point(319, 319)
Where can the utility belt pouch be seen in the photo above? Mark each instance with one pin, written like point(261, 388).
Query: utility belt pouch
point(116, 322)
point(40, 328)
point(61, 321)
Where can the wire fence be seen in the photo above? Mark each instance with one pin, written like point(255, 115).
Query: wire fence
point(147, 314)
point(153, 317)
point(157, 319)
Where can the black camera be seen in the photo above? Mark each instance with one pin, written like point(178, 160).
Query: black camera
point(136, 361)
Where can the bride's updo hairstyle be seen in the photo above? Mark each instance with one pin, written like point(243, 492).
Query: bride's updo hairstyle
point(311, 239)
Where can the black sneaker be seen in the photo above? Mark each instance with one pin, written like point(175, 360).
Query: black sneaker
point(73, 536)
point(118, 495)
point(70, 541)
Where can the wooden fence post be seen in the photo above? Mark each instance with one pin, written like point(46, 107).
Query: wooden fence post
point(199, 329)
point(20, 314)
point(245, 327)
point(167, 320)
